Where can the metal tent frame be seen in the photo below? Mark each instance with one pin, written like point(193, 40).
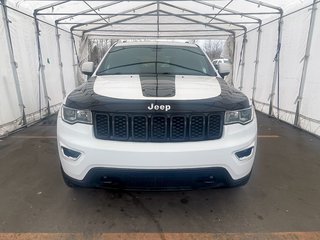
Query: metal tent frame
point(219, 25)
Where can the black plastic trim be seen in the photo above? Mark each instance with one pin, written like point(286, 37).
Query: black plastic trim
point(168, 134)
point(154, 179)
point(84, 97)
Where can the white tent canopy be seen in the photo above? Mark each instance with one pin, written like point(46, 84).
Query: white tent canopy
point(173, 19)
point(276, 49)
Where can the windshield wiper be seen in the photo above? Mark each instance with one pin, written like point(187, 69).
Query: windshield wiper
point(121, 66)
point(180, 66)
point(173, 64)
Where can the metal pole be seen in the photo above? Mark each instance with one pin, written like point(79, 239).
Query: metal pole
point(114, 15)
point(305, 63)
point(256, 68)
point(242, 64)
point(51, 5)
point(182, 14)
point(158, 19)
point(60, 62)
point(204, 15)
point(222, 9)
point(229, 11)
point(41, 65)
point(95, 11)
point(276, 69)
point(13, 63)
point(264, 4)
point(75, 63)
point(99, 35)
point(99, 7)
point(233, 57)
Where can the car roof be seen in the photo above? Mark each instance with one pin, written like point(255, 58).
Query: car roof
point(167, 43)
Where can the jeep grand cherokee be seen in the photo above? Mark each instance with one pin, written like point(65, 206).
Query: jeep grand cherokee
point(156, 115)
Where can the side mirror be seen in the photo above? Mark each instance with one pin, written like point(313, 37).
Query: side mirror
point(87, 68)
point(224, 69)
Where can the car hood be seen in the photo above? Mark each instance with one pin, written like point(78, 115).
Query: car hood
point(157, 87)
point(135, 93)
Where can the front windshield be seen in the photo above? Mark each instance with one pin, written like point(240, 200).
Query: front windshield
point(156, 59)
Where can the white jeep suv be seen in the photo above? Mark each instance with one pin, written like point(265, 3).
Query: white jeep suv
point(156, 115)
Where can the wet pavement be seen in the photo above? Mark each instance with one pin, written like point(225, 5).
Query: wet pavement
point(283, 194)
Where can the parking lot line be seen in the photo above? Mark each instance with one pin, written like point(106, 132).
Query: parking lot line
point(34, 137)
point(166, 236)
point(268, 136)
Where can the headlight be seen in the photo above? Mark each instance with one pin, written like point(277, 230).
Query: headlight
point(243, 116)
point(71, 115)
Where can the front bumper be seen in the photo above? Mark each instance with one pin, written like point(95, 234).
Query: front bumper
point(104, 154)
point(169, 179)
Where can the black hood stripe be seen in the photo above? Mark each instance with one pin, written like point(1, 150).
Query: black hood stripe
point(158, 85)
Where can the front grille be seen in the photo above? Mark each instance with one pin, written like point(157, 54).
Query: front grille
point(158, 128)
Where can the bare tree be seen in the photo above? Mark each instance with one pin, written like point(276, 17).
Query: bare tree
point(97, 49)
point(213, 48)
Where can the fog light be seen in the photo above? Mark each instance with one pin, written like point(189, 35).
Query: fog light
point(244, 154)
point(70, 153)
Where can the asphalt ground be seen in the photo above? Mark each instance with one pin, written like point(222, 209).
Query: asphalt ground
point(281, 201)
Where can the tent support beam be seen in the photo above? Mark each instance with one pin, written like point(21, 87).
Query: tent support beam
point(60, 62)
point(114, 15)
point(232, 60)
point(305, 63)
point(13, 63)
point(243, 59)
point(158, 19)
point(201, 37)
point(152, 23)
point(256, 67)
point(41, 65)
point(87, 11)
point(222, 9)
point(204, 15)
point(74, 61)
point(276, 72)
point(51, 5)
point(161, 31)
point(118, 21)
point(257, 20)
point(95, 11)
point(108, 14)
point(264, 4)
point(199, 22)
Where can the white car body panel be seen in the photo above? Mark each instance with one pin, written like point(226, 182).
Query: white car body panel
point(149, 155)
point(129, 87)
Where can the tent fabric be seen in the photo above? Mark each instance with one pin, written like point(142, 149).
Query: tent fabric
point(293, 46)
point(9, 106)
point(310, 114)
point(22, 30)
point(193, 19)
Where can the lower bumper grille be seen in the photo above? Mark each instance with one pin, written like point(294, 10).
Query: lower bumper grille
point(158, 128)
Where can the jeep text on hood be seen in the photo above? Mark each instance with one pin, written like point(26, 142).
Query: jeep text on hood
point(156, 111)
